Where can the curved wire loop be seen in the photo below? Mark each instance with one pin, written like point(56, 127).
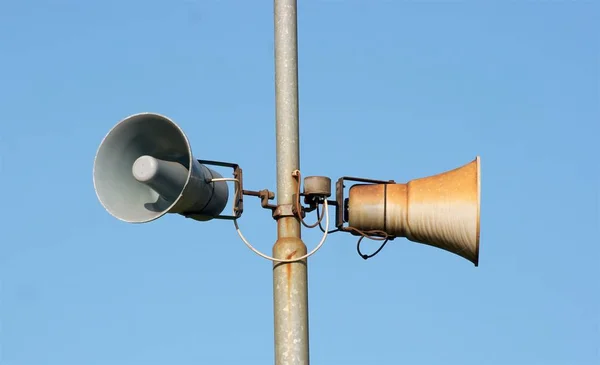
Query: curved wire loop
point(239, 232)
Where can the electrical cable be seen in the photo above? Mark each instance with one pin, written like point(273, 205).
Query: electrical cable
point(375, 235)
point(321, 226)
point(298, 176)
point(239, 232)
point(366, 257)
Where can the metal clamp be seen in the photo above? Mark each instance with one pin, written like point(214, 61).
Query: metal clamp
point(341, 203)
point(284, 210)
point(238, 203)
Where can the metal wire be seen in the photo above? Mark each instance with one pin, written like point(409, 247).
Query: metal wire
point(239, 232)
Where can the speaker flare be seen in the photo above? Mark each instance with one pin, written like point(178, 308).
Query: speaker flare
point(441, 210)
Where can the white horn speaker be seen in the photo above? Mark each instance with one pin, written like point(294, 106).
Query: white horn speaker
point(144, 168)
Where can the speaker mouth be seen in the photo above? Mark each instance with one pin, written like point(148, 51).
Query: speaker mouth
point(138, 135)
point(478, 162)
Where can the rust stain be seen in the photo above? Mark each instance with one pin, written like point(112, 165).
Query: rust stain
point(288, 267)
point(288, 247)
point(288, 271)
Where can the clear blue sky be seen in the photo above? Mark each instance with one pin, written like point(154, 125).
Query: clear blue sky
point(388, 89)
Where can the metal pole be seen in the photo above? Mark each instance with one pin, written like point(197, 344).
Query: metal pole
point(290, 289)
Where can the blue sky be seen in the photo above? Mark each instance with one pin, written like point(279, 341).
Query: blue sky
point(388, 90)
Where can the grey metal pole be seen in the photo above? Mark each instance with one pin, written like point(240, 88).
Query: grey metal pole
point(290, 288)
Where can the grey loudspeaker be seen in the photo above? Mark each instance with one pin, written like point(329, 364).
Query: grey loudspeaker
point(144, 168)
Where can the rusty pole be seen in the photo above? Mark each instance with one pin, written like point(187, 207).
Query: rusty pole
point(290, 289)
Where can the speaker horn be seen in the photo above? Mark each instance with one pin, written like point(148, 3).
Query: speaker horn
point(144, 168)
point(441, 210)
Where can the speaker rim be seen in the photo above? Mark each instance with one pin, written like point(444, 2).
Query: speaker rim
point(190, 157)
point(478, 162)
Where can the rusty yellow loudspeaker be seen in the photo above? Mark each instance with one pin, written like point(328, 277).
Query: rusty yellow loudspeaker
point(440, 210)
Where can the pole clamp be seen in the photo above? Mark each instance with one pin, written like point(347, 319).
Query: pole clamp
point(284, 210)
